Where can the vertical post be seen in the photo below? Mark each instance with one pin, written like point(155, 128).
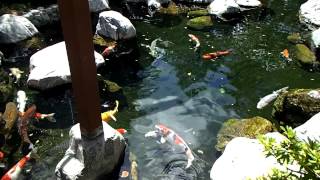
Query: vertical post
point(76, 26)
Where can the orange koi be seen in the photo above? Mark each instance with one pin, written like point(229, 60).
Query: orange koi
point(285, 54)
point(108, 50)
point(122, 131)
point(214, 55)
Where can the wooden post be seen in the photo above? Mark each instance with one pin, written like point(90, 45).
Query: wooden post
point(76, 26)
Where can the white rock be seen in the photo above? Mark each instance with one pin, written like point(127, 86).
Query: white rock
point(309, 14)
point(98, 5)
point(43, 16)
point(15, 28)
point(114, 25)
point(309, 129)
point(316, 38)
point(248, 3)
point(49, 67)
point(222, 8)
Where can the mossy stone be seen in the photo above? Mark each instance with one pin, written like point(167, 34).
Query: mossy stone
point(197, 13)
point(200, 23)
point(250, 128)
point(295, 38)
point(99, 40)
point(172, 9)
point(295, 107)
point(305, 55)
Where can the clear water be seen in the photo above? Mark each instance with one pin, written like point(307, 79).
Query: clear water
point(191, 96)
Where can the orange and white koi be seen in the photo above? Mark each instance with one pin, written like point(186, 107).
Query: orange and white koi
point(214, 55)
point(167, 134)
point(122, 131)
point(196, 40)
point(108, 50)
point(108, 115)
point(49, 117)
point(15, 171)
point(285, 54)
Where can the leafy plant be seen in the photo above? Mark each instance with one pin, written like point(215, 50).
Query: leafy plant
point(304, 154)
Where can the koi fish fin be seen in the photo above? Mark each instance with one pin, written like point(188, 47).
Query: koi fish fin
point(50, 117)
point(162, 140)
point(112, 117)
point(151, 134)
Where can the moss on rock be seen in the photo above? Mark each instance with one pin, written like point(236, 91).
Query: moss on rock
point(250, 128)
point(295, 38)
point(197, 13)
point(200, 23)
point(99, 40)
point(304, 55)
point(296, 106)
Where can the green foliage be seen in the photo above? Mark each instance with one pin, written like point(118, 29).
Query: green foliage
point(305, 154)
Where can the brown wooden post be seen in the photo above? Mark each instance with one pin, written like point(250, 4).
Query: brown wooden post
point(76, 26)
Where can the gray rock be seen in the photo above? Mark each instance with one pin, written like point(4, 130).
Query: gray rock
point(49, 67)
point(43, 16)
point(1, 57)
point(309, 14)
point(316, 38)
point(15, 28)
point(248, 4)
point(153, 5)
point(224, 9)
point(114, 25)
point(98, 5)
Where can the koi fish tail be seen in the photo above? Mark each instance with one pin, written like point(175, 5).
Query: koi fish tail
point(230, 50)
point(190, 158)
point(50, 117)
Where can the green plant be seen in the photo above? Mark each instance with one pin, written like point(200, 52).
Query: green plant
point(305, 154)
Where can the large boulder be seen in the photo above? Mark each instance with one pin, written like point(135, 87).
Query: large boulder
point(309, 14)
point(114, 25)
point(297, 105)
point(244, 158)
point(49, 67)
point(98, 5)
point(250, 128)
point(15, 28)
point(43, 16)
point(224, 9)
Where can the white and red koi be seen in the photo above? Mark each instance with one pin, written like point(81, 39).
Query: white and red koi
point(263, 102)
point(15, 171)
point(167, 134)
point(196, 40)
point(122, 131)
point(49, 117)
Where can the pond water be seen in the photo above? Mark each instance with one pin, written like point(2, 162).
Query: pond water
point(191, 96)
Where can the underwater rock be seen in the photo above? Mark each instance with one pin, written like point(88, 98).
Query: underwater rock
point(197, 13)
point(304, 55)
point(98, 5)
point(43, 16)
point(309, 14)
point(248, 4)
point(296, 105)
point(114, 25)
point(107, 85)
point(6, 90)
point(15, 28)
point(224, 9)
point(250, 128)
point(49, 67)
point(295, 38)
point(316, 38)
point(200, 23)
point(172, 9)
point(244, 158)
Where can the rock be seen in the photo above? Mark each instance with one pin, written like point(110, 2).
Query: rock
point(43, 16)
point(172, 9)
point(248, 4)
point(15, 28)
point(316, 38)
point(98, 5)
point(224, 9)
point(242, 128)
point(49, 67)
point(295, 38)
point(197, 13)
point(6, 90)
point(1, 57)
point(309, 14)
point(114, 25)
point(296, 105)
point(304, 55)
point(244, 158)
point(98, 40)
point(200, 23)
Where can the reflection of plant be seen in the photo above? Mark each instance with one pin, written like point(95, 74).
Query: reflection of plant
point(305, 154)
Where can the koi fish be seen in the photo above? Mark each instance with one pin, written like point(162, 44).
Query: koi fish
point(214, 55)
point(169, 135)
point(15, 171)
point(270, 97)
point(196, 40)
point(122, 131)
point(108, 50)
point(16, 72)
point(285, 54)
point(23, 122)
point(21, 100)
point(108, 115)
point(10, 116)
point(49, 117)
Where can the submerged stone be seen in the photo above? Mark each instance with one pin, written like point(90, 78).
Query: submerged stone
point(296, 106)
point(295, 38)
point(197, 13)
point(172, 9)
point(242, 128)
point(304, 55)
point(200, 23)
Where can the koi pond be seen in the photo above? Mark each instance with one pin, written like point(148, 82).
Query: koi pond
point(179, 89)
